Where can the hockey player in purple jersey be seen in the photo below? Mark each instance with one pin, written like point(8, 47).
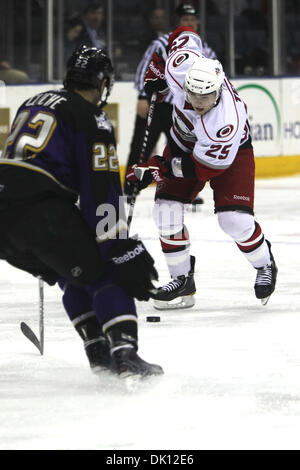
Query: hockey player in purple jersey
point(62, 150)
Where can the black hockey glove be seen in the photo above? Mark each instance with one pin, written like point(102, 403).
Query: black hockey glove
point(134, 268)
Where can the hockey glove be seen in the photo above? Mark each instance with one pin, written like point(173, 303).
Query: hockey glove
point(155, 80)
point(159, 168)
point(134, 268)
point(139, 176)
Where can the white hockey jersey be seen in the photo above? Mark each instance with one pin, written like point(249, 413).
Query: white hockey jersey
point(215, 137)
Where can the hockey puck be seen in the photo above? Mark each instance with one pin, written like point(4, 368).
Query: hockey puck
point(153, 319)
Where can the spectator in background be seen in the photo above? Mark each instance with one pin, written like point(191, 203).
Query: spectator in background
point(92, 33)
point(93, 30)
point(186, 15)
point(74, 30)
point(256, 55)
point(155, 27)
point(12, 76)
point(254, 13)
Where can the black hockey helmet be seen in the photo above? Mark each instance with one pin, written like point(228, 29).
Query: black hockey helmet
point(186, 9)
point(87, 68)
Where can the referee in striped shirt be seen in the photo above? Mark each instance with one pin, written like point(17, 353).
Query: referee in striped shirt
point(162, 119)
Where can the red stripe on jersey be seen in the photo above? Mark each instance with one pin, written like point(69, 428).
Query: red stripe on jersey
point(188, 106)
point(186, 143)
point(188, 123)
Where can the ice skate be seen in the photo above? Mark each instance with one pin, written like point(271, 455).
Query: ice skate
point(177, 294)
point(95, 344)
point(266, 279)
point(126, 363)
point(98, 354)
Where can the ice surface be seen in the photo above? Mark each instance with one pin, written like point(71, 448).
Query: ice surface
point(232, 366)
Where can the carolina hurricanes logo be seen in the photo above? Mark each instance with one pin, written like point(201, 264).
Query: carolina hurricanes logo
point(180, 59)
point(225, 131)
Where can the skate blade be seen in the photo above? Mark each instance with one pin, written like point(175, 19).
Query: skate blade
point(265, 300)
point(186, 301)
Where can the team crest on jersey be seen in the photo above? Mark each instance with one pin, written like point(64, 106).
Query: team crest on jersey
point(103, 122)
point(225, 131)
point(180, 59)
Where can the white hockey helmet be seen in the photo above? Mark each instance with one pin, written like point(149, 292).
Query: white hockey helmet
point(204, 76)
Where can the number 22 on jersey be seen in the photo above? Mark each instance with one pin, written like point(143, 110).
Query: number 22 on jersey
point(29, 134)
point(105, 158)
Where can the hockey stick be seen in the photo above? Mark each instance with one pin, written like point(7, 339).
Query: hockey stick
point(27, 331)
point(142, 156)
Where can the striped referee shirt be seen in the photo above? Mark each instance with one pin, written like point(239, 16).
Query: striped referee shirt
point(159, 46)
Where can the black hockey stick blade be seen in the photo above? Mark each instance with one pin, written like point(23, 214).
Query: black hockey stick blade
point(27, 331)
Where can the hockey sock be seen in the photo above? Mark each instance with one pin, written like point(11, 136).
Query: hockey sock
point(78, 306)
point(176, 249)
point(255, 248)
point(110, 301)
point(75, 300)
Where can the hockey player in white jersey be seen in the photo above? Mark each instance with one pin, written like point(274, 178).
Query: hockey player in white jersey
point(210, 142)
point(186, 15)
